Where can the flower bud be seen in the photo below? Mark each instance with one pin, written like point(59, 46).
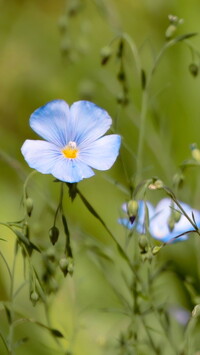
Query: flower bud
point(73, 7)
point(121, 75)
point(147, 256)
point(171, 222)
point(53, 234)
point(34, 297)
point(194, 69)
point(63, 263)
point(177, 216)
point(53, 285)
point(71, 266)
point(65, 47)
point(196, 154)
point(62, 24)
point(156, 249)
point(50, 253)
point(132, 209)
point(105, 54)
point(156, 185)
point(196, 311)
point(143, 242)
point(178, 179)
point(29, 206)
point(170, 31)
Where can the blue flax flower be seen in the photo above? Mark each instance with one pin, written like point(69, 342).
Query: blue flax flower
point(73, 140)
point(166, 221)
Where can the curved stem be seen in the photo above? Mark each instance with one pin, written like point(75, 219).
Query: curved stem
point(134, 51)
point(26, 183)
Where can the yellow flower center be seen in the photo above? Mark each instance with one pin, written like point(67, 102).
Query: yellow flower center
point(70, 151)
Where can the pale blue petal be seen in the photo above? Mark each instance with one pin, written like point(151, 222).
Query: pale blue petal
point(52, 122)
point(40, 155)
point(48, 159)
point(71, 170)
point(102, 153)
point(89, 122)
point(126, 223)
point(159, 224)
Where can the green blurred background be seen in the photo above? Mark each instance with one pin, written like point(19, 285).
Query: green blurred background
point(44, 55)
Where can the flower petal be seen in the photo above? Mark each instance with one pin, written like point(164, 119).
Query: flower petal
point(40, 155)
point(159, 228)
point(71, 170)
point(52, 122)
point(102, 153)
point(89, 122)
point(48, 159)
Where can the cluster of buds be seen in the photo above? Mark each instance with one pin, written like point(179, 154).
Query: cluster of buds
point(156, 184)
point(66, 265)
point(174, 22)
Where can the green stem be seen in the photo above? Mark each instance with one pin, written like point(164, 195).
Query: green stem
point(141, 136)
point(134, 51)
point(11, 328)
point(59, 208)
point(95, 214)
point(154, 347)
point(26, 183)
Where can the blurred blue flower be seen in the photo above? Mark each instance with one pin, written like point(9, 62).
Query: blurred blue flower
point(139, 221)
point(181, 314)
point(166, 221)
point(73, 140)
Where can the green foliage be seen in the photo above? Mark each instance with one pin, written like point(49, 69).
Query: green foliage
point(58, 261)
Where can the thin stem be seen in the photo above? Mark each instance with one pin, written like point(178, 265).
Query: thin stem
point(141, 136)
point(59, 208)
point(154, 347)
point(95, 214)
point(134, 51)
point(26, 183)
point(6, 264)
point(11, 328)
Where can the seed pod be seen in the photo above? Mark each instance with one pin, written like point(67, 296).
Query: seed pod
point(70, 266)
point(194, 69)
point(177, 216)
point(34, 297)
point(53, 234)
point(132, 209)
point(105, 54)
point(143, 242)
point(171, 222)
point(63, 263)
point(29, 206)
point(170, 31)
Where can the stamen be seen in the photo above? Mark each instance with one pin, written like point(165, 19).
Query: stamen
point(70, 151)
